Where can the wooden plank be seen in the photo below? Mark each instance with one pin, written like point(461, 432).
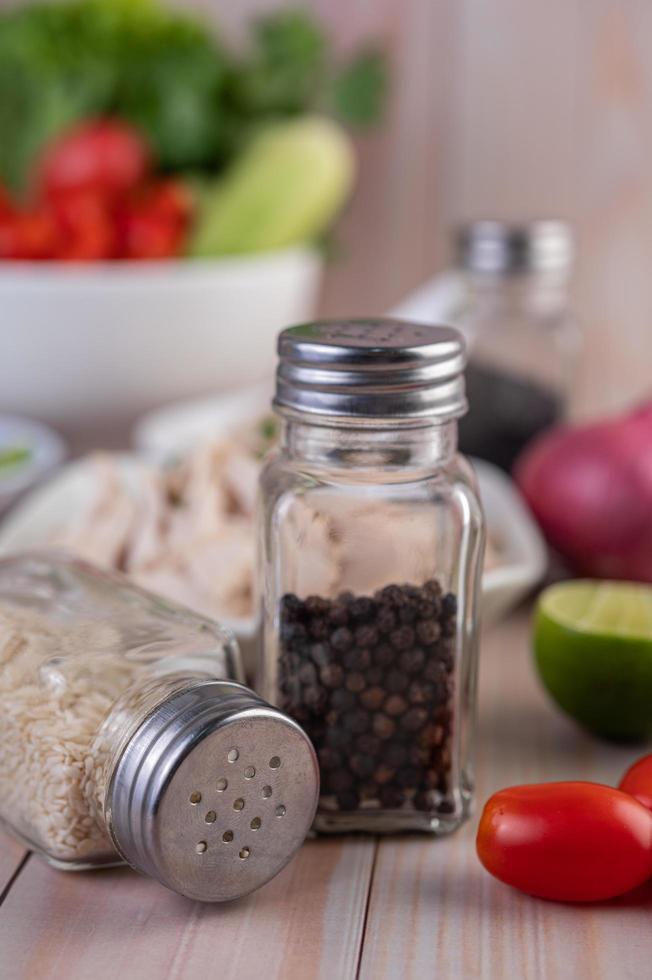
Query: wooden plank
point(435, 912)
point(307, 923)
point(11, 856)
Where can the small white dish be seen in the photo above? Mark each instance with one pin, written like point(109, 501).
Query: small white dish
point(45, 450)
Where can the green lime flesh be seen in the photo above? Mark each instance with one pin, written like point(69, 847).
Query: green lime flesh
point(593, 651)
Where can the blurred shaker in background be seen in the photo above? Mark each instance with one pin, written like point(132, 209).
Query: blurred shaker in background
point(522, 336)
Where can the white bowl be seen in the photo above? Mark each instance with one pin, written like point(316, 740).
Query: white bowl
point(88, 348)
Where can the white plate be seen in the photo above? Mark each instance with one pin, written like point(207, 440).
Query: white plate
point(173, 431)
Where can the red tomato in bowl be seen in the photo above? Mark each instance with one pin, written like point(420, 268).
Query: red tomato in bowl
point(571, 842)
point(87, 229)
point(28, 235)
point(103, 156)
point(637, 781)
point(153, 223)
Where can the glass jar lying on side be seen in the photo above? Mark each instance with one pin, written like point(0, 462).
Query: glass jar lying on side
point(126, 735)
point(371, 545)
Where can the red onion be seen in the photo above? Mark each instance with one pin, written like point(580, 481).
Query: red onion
point(590, 488)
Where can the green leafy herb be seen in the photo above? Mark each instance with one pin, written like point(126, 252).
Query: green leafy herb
point(13, 456)
point(165, 71)
point(360, 88)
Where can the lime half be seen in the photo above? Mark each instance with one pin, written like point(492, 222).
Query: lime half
point(593, 650)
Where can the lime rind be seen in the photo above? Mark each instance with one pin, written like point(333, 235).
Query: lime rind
point(607, 609)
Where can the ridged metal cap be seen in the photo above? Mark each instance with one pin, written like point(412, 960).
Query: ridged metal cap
point(371, 369)
point(214, 792)
point(499, 247)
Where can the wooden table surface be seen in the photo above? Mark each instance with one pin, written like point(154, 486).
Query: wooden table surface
point(402, 907)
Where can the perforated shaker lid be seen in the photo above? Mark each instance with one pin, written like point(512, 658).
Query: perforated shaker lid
point(371, 369)
point(214, 793)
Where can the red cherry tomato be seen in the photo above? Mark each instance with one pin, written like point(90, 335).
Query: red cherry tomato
point(87, 227)
point(103, 156)
point(153, 224)
point(572, 842)
point(172, 200)
point(637, 781)
point(5, 201)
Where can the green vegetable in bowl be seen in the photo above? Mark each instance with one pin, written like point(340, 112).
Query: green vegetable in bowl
point(13, 456)
point(285, 188)
point(60, 63)
point(164, 70)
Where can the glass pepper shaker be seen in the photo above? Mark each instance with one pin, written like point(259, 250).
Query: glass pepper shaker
point(125, 735)
point(371, 540)
point(522, 335)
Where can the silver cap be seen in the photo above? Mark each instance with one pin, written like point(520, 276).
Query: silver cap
point(499, 247)
point(214, 792)
point(371, 369)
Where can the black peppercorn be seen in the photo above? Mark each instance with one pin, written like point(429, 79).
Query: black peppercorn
point(428, 631)
point(407, 614)
point(362, 609)
point(355, 683)
point(368, 744)
point(402, 638)
point(362, 765)
point(332, 675)
point(356, 722)
point(421, 692)
point(395, 705)
point(392, 797)
point(449, 605)
point(423, 801)
point(386, 621)
point(319, 629)
point(291, 606)
point(373, 698)
point(412, 661)
point(348, 801)
point(384, 655)
point(307, 673)
point(414, 719)
point(396, 681)
point(383, 774)
point(338, 615)
point(342, 639)
point(314, 698)
point(366, 636)
point(357, 659)
point(342, 700)
point(374, 676)
point(340, 780)
point(315, 605)
point(371, 681)
point(395, 754)
point(432, 589)
point(329, 758)
point(383, 726)
point(408, 778)
point(320, 654)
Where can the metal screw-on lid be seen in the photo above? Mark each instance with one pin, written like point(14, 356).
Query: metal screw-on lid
point(371, 369)
point(214, 792)
point(499, 247)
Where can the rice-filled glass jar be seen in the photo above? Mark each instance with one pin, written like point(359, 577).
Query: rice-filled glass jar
point(371, 541)
point(125, 735)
